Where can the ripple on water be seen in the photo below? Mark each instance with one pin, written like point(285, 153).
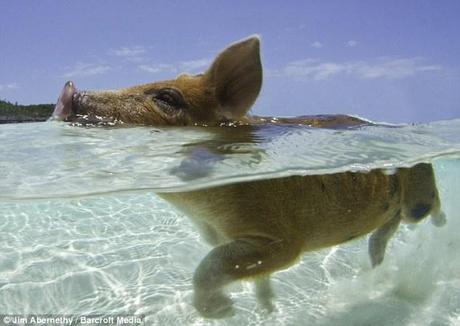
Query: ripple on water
point(74, 162)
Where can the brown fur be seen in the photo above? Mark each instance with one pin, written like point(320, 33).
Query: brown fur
point(264, 226)
point(259, 227)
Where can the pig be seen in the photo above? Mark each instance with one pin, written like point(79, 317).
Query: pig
point(260, 227)
point(224, 93)
point(263, 226)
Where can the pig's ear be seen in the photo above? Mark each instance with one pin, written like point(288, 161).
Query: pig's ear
point(236, 76)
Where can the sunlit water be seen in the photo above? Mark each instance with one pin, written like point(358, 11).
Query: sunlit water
point(82, 232)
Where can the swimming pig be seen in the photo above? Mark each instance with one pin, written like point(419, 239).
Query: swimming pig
point(262, 226)
point(225, 92)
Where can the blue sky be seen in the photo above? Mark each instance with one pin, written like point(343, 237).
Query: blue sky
point(395, 61)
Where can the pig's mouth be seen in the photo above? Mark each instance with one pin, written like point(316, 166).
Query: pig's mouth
point(70, 107)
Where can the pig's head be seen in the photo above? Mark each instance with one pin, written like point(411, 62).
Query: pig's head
point(226, 91)
point(420, 196)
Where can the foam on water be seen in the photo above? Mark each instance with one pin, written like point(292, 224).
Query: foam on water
point(74, 251)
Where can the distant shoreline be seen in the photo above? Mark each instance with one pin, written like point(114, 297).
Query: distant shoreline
point(17, 113)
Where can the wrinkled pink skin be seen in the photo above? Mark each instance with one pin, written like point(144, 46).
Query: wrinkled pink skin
point(63, 108)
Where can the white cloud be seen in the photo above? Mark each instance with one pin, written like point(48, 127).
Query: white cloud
point(86, 69)
point(156, 68)
point(394, 68)
point(183, 66)
point(10, 86)
point(194, 65)
point(351, 43)
point(313, 69)
point(129, 52)
point(385, 68)
point(317, 45)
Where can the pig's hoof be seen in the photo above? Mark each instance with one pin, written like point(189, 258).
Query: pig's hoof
point(267, 305)
point(439, 219)
point(376, 252)
point(376, 260)
point(214, 306)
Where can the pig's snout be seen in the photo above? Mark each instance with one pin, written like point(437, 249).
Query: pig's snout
point(63, 108)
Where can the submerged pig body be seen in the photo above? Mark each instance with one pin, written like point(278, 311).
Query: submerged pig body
point(262, 226)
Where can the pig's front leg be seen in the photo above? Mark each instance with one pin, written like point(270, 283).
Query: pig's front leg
point(239, 259)
point(264, 293)
point(379, 239)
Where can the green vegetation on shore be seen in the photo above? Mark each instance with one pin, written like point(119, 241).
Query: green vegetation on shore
point(13, 112)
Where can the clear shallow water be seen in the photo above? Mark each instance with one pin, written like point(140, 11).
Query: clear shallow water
point(81, 231)
point(45, 160)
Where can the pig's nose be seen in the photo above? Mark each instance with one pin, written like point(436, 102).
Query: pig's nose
point(70, 86)
point(63, 108)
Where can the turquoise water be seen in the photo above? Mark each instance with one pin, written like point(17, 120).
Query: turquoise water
point(82, 232)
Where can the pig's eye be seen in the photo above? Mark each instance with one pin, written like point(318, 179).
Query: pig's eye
point(169, 100)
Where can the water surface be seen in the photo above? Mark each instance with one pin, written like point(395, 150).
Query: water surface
point(82, 232)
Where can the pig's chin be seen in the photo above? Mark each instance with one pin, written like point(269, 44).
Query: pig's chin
point(72, 107)
point(93, 120)
point(86, 114)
